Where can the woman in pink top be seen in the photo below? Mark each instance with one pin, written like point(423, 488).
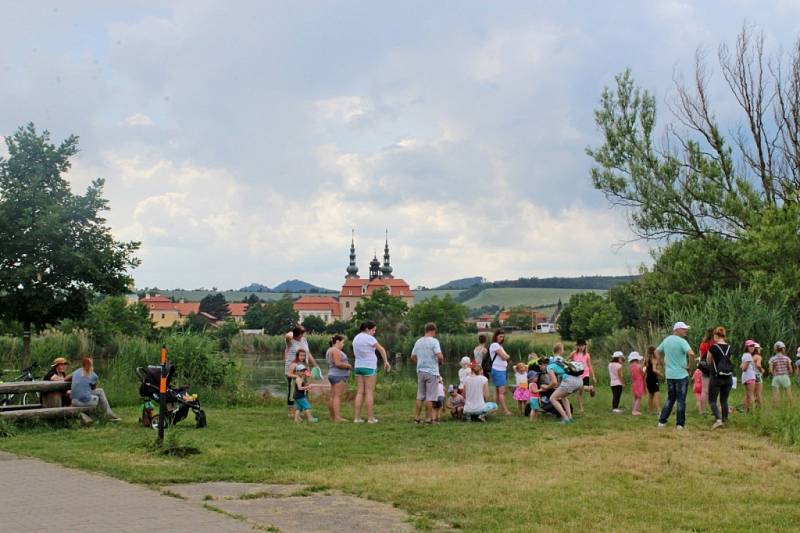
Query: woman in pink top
point(581, 355)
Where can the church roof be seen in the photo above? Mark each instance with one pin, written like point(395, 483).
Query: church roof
point(397, 286)
point(318, 303)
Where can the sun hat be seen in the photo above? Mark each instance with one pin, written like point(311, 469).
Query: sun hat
point(634, 356)
point(779, 344)
point(680, 325)
point(465, 361)
point(59, 361)
point(750, 342)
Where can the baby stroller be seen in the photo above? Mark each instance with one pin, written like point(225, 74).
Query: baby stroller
point(179, 401)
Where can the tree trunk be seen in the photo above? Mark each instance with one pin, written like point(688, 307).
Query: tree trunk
point(26, 344)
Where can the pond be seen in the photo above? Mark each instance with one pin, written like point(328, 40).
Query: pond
point(265, 372)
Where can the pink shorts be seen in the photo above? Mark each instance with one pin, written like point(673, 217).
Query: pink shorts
point(749, 381)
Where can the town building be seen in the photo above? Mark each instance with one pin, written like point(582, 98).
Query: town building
point(380, 276)
point(325, 307)
point(164, 312)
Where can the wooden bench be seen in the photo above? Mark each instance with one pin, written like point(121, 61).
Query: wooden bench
point(50, 406)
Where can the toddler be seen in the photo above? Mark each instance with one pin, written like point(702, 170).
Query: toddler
point(697, 378)
point(455, 403)
point(637, 381)
point(521, 393)
point(301, 386)
point(464, 371)
point(533, 389)
point(616, 380)
point(439, 403)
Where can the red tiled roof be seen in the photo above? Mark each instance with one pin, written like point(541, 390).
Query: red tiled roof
point(237, 309)
point(184, 309)
point(397, 286)
point(158, 303)
point(318, 303)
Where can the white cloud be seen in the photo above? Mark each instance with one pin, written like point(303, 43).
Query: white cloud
point(139, 119)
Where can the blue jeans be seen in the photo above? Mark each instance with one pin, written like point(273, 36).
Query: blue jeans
point(676, 390)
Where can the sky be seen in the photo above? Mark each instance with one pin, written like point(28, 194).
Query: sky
point(243, 141)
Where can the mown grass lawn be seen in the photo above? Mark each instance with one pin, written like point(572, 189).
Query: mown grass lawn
point(605, 472)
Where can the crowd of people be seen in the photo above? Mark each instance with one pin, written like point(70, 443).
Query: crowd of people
point(543, 384)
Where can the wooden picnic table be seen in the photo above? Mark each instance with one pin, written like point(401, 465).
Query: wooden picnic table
point(50, 392)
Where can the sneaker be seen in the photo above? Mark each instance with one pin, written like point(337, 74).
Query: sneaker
point(482, 418)
point(314, 420)
point(358, 421)
point(660, 425)
point(566, 421)
point(616, 410)
point(679, 428)
point(115, 418)
point(372, 421)
point(636, 413)
point(717, 424)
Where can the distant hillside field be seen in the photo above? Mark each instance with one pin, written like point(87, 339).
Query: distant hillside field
point(533, 297)
point(230, 296)
point(421, 296)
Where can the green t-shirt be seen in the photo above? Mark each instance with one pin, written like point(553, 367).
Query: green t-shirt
point(675, 349)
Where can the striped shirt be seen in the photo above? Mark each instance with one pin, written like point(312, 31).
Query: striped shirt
point(781, 364)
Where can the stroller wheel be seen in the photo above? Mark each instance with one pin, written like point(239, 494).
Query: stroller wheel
point(154, 422)
point(200, 419)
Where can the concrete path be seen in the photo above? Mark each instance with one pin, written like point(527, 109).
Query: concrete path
point(38, 496)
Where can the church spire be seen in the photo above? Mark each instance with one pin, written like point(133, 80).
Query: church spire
point(352, 269)
point(374, 267)
point(386, 269)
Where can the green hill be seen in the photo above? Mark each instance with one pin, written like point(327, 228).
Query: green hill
point(421, 296)
point(508, 297)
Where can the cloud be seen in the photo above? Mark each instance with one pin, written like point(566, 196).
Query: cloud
point(243, 144)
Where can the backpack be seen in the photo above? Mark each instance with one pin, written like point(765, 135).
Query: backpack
point(486, 365)
point(573, 368)
point(725, 366)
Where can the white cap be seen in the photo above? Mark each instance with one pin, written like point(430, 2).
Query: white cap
point(680, 325)
point(779, 344)
point(634, 356)
point(465, 361)
point(617, 354)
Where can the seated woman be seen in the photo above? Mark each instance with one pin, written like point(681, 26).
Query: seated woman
point(58, 372)
point(476, 390)
point(85, 391)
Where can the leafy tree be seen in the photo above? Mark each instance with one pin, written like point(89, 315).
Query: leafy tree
point(56, 251)
point(337, 326)
point(276, 317)
point(385, 310)
point(114, 316)
point(565, 322)
point(195, 323)
point(448, 315)
point(520, 317)
point(224, 332)
point(215, 305)
point(591, 316)
point(626, 298)
point(314, 324)
point(251, 299)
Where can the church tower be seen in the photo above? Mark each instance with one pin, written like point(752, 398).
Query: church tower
point(352, 269)
point(374, 268)
point(386, 269)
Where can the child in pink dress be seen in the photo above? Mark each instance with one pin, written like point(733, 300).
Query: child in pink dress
point(637, 381)
point(697, 377)
point(521, 393)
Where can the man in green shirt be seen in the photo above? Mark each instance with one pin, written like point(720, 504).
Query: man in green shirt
point(676, 354)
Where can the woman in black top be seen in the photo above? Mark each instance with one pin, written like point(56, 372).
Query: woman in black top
point(721, 369)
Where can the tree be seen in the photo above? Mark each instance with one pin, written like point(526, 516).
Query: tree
point(714, 196)
point(520, 317)
point(215, 305)
point(591, 316)
point(385, 310)
point(256, 316)
point(56, 251)
point(626, 299)
point(337, 326)
point(251, 299)
point(281, 316)
point(113, 316)
point(448, 315)
point(195, 323)
point(314, 324)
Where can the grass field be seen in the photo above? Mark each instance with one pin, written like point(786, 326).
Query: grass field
point(604, 473)
point(508, 297)
point(421, 296)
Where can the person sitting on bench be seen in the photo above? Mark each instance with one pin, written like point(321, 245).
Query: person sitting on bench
point(85, 391)
point(58, 372)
